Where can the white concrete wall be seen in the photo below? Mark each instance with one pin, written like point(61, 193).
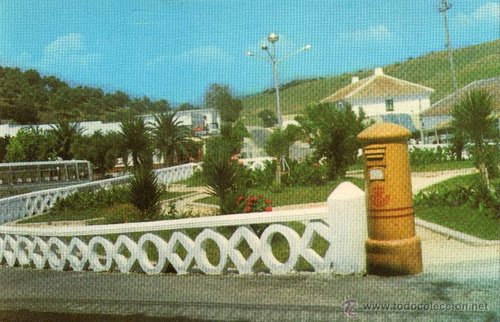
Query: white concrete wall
point(212, 117)
point(402, 104)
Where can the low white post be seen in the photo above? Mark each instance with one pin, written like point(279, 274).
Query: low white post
point(347, 220)
point(89, 165)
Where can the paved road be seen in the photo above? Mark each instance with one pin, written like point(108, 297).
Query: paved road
point(469, 275)
point(300, 297)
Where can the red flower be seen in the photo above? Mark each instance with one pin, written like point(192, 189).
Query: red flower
point(267, 202)
point(247, 209)
point(240, 199)
point(268, 208)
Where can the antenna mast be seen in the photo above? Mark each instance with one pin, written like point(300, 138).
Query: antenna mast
point(444, 7)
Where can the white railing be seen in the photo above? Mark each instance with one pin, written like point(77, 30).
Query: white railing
point(34, 203)
point(124, 247)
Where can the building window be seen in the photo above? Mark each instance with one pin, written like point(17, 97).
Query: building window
point(389, 105)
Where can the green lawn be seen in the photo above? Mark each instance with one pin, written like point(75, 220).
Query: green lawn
point(297, 195)
point(441, 166)
point(465, 180)
point(109, 213)
point(195, 180)
point(462, 218)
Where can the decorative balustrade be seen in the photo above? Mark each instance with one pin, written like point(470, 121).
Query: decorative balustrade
point(127, 247)
point(34, 203)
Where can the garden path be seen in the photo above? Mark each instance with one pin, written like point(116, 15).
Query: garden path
point(420, 180)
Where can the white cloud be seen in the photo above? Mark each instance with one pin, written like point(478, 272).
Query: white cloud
point(488, 12)
point(373, 33)
point(69, 51)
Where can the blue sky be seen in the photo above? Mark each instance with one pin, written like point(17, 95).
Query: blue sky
point(174, 49)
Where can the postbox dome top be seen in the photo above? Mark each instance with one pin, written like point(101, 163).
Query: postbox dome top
point(384, 132)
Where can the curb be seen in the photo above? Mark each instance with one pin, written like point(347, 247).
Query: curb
point(462, 237)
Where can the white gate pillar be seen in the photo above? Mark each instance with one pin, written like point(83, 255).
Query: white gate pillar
point(347, 220)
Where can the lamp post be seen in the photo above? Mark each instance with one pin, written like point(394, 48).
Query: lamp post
point(272, 38)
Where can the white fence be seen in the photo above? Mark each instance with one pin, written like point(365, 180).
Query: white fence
point(34, 203)
point(125, 247)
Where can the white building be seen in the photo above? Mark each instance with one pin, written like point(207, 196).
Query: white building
point(383, 97)
point(208, 119)
point(438, 117)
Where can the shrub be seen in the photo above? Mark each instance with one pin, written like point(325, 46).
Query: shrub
point(93, 199)
point(474, 115)
point(458, 143)
point(303, 173)
point(123, 213)
point(264, 177)
point(225, 178)
point(268, 118)
point(145, 192)
point(332, 131)
point(306, 173)
point(492, 160)
point(426, 156)
point(475, 196)
point(99, 148)
point(253, 204)
point(278, 146)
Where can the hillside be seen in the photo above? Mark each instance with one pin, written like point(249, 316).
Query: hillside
point(26, 97)
point(432, 70)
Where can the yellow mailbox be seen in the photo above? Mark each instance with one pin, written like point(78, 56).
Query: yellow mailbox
point(392, 247)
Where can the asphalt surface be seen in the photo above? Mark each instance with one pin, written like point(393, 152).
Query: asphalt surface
point(260, 297)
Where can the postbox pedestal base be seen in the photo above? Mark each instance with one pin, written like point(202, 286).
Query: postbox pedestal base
point(394, 257)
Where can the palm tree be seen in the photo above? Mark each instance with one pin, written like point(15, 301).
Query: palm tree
point(278, 145)
point(65, 134)
point(170, 137)
point(135, 139)
point(473, 114)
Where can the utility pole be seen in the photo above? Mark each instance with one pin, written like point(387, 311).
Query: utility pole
point(445, 6)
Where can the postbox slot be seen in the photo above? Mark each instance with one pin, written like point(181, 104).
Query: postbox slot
point(375, 157)
point(374, 154)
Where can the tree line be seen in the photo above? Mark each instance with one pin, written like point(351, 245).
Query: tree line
point(26, 97)
point(166, 138)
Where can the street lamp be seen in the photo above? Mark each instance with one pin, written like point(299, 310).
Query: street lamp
point(272, 38)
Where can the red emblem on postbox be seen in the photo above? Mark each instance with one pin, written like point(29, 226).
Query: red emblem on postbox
point(378, 197)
